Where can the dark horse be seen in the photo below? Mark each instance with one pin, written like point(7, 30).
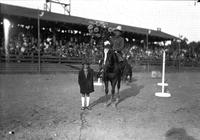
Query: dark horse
point(112, 72)
point(127, 72)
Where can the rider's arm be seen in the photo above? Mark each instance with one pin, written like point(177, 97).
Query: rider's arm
point(121, 44)
point(111, 43)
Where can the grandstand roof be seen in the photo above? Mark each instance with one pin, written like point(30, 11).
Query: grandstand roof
point(22, 13)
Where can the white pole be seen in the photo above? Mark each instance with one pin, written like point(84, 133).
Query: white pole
point(163, 72)
point(99, 80)
point(163, 84)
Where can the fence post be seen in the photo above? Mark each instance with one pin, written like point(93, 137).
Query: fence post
point(32, 57)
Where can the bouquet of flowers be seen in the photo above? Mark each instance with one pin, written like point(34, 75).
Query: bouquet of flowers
point(99, 31)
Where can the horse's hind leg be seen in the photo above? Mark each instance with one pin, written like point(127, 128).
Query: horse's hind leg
point(118, 87)
point(130, 76)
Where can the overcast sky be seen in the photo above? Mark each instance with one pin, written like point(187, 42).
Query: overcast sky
point(179, 17)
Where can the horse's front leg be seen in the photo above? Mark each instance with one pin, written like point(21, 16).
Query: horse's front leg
point(106, 92)
point(113, 84)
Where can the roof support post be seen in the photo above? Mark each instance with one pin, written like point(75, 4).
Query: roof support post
point(147, 47)
point(39, 15)
point(38, 43)
point(179, 55)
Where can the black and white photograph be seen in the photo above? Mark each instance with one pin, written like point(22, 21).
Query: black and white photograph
point(99, 69)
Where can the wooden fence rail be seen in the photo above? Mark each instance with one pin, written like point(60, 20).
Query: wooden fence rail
point(59, 59)
point(58, 64)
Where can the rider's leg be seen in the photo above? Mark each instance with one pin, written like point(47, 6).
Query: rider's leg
point(120, 56)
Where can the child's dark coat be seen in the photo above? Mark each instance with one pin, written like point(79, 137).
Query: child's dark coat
point(86, 83)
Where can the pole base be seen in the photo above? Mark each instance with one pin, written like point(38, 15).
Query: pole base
point(162, 84)
point(160, 94)
point(98, 84)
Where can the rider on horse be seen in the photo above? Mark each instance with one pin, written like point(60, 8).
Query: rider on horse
point(117, 42)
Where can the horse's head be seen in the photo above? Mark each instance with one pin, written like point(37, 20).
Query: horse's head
point(110, 59)
point(105, 58)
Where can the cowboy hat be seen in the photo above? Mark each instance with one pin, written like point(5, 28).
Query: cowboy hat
point(118, 28)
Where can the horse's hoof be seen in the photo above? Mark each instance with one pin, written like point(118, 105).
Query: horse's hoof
point(117, 101)
point(108, 104)
point(105, 104)
point(113, 105)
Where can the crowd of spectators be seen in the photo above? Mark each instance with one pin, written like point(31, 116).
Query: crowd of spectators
point(155, 53)
point(139, 52)
point(24, 43)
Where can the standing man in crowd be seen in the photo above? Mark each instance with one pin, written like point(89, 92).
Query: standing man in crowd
point(117, 42)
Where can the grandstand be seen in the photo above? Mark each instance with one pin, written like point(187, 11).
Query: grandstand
point(29, 16)
point(64, 39)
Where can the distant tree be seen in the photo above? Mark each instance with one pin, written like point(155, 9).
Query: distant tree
point(184, 44)
point(194, 49)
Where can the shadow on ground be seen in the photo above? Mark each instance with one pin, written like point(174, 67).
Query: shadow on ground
point(127, 93)
point(178, 134)
point(124, 94)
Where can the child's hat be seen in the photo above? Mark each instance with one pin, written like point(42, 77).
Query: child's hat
point(85, 62)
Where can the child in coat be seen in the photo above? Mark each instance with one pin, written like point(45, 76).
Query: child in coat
point(85, 80)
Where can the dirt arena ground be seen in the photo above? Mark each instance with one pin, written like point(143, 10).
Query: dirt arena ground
point(47, 107)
